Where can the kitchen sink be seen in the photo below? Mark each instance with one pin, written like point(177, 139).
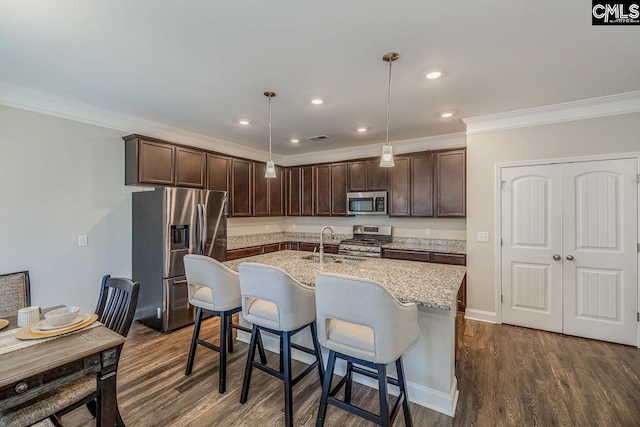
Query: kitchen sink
point(338, 259)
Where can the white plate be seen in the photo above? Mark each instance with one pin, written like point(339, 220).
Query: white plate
point(44, 326)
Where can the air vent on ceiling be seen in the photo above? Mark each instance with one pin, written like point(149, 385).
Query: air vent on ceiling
point(318, 138)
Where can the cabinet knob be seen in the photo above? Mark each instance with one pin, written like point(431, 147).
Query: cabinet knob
point(21, 387)
point(570, 257)
point(557, 257)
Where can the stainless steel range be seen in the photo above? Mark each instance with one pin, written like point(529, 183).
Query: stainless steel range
point(367, 240)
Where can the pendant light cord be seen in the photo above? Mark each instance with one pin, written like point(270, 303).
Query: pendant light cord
point(270, 126)
point(389, 101)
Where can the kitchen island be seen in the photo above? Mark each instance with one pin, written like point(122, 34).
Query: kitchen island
point(430, 362)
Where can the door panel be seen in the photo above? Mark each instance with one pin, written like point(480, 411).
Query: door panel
point(181, 232)
point(600, 235)
point(532, 235)
point(215, 210)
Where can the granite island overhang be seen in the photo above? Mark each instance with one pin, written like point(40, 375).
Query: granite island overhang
point(430, 362)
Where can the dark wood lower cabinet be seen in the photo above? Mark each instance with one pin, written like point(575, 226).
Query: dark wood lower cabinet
point(243, 253)
point(406, 255)
point(266, 249)
point(310, 247)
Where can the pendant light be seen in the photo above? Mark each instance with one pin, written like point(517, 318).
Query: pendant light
point(386, 161)
point(271, 167)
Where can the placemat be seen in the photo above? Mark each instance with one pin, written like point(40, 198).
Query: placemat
point(9, 343)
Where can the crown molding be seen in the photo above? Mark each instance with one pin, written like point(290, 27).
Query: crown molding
point(373, 150)
point(623, 103)
point(27, 99)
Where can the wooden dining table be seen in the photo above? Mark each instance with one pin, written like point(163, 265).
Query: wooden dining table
point(29, 372)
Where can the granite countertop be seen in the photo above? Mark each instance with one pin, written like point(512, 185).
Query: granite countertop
point(426, 284)
point(401, 243)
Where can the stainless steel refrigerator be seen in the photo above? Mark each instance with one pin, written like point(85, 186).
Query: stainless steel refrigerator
point(169, 223)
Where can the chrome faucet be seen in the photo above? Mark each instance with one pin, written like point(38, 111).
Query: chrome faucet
point(333, 236)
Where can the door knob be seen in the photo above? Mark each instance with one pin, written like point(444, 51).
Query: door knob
point(570, 257)
point(557, 257)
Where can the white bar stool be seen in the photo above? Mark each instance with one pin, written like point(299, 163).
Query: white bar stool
point(360, 322)
point(214, 289)
point(275, 302)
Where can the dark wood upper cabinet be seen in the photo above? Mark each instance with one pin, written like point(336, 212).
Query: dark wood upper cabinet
point(241, 188)
point(451, 183)
point(339, 189)
point(293, 191)
point(149, 162)
point(190, 167)
point(376, 176)
point(422, 186)
point(399, 187)
point(322, 174)
point(218, 171)
point(307, 185)
point(260, 190)
point(276, 193)
point(367, 175)
point(358, 176)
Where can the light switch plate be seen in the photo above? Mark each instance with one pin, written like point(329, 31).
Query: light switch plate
point(83, 241)
point(427, 232)
point(483, 236)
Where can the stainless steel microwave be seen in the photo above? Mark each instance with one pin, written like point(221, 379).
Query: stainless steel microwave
point(367, 203)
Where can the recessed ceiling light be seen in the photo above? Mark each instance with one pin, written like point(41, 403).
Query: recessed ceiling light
point(317, 101)
point(446, 115)
point(434, 75)
point(361, 129)
point(244, 122)
point(295, 140)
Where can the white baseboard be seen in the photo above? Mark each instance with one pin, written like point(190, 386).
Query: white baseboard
point(444, 403)
point(481, 315)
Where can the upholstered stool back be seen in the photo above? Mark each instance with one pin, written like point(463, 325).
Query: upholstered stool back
point(360, 318)
point(273, 299)
point(212, 286)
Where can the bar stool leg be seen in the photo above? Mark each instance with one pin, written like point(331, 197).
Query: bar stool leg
point(318, 350)
point(249, 367)
point(348, 383)
point(402, 382)
point(385, 420)
point(222, 376)
point(194, 344)
point(288, 387)
point(281, 362)
point(326, 387)
point(263, 355)
point(230, 332)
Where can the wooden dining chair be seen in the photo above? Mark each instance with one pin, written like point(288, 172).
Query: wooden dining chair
point(116, 307)
point(14, 293)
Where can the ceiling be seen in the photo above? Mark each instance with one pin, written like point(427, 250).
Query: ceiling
point(202, 65)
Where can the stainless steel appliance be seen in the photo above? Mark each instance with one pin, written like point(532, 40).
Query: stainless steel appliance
point(169, 223)
point(367, 240)
point(367, 203)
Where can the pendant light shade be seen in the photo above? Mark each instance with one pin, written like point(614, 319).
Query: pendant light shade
point(271, 167)
point(386, 160)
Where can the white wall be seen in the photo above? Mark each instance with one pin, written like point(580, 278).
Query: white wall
point(441, 228)
point(60, 179)
point(604, 135)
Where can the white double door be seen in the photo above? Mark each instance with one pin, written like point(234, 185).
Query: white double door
point(569, 248)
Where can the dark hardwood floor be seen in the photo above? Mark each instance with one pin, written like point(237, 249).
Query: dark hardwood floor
point(507, 376)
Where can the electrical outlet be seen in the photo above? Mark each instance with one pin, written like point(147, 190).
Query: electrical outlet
point(427, 232)
point(483, 236)
point(83, 241)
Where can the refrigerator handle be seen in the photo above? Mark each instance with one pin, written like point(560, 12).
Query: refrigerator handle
point(198, 241)
point(220, 215)
point(203, 236)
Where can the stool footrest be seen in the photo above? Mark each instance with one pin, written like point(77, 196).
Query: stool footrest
point(355, 410)
point(310, 368)
point(268, 370)
point(373, 375)
point(303, 348)
point(208, 345)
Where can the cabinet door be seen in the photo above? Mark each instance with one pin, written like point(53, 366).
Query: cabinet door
point(358, 176)
point(267, 249)
point(156, 163)
point(218, 168)
point(451, 183)
point(243, 253)
point(422, 186)
point(260, 190)
point(339, 189)
point(307, 185)
point(323, 190)
point(293, 192)
point(399, 184)
point(276, 193)
point(241, 188)
point(190, 167)
point(376, 176)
